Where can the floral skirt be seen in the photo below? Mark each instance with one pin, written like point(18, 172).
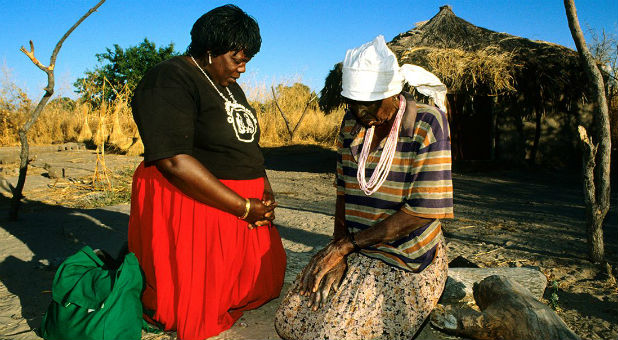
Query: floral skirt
point(203, 267)
point(374, 301)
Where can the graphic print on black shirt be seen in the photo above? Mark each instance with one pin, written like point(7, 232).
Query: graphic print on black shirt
point(243, 121)
point(177, 111)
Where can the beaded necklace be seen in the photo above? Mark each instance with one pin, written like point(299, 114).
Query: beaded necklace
point(386, 159)
point(242, 119)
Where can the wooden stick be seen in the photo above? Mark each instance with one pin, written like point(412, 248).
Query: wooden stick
point(311, 98)
point(49, 91)
point(285, 119)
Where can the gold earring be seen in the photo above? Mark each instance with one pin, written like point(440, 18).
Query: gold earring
point(209, 60)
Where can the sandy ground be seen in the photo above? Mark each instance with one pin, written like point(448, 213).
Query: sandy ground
point(504, 218)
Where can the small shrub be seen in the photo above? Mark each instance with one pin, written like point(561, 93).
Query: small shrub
point(553, 299)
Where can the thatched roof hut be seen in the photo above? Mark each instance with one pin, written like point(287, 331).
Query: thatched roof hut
point(488, 74)
point(472, 58)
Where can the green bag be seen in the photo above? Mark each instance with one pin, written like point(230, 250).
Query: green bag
point(93, 300)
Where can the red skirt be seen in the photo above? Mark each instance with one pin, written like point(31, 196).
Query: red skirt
point(203, 267)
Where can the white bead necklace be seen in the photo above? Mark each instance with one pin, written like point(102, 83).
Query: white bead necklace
point(242, 119)
point(386, 159)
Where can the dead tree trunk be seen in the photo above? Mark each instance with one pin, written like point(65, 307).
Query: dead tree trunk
point(285, 118)
point(302, 116)
point(508, 311)
point(493, 131)
point(49, 91)
point(521, 137)
point(596, 156)
point(538, 120)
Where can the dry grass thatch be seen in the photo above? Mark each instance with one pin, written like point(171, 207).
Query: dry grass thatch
point(540, 69)
point(477, 61)
point(489, 69)
point(85, 133)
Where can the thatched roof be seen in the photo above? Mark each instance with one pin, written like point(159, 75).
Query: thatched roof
point(477, 61)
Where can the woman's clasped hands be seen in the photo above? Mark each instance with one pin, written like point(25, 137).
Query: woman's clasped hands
point(261, 212)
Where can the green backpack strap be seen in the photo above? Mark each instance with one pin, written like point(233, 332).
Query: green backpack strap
point(82, 280)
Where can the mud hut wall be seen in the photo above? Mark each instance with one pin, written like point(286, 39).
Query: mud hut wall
point(558, 145)
point(470, 119)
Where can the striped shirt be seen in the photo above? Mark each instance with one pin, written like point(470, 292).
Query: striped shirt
point(419, 183)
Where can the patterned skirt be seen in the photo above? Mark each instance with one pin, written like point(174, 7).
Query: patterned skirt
point(374, 301)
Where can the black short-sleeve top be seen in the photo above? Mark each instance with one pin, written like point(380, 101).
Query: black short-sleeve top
point(178, 111)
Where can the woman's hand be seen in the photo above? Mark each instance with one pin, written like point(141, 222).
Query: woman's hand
point(331, 280)
point(321, 264)
point(268, 197)
point(259, 213)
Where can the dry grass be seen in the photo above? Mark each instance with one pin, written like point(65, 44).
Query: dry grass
point(83, 193)
point(64, 120)
point(467, 70)
point(111, 125)
point(13, 104)
point(292, 98)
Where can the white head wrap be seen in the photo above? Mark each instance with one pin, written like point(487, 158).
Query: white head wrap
point(371, 72)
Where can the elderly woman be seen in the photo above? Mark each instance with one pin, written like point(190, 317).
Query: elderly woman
point(385, 269)
point(201, 203)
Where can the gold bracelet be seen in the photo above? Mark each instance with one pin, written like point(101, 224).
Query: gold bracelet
point(247, 209)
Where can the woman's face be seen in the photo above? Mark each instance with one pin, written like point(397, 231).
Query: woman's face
point(227, 67)
point(372, 113)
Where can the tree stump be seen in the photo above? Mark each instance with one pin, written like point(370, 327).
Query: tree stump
point(460, 282)
point(508, 311)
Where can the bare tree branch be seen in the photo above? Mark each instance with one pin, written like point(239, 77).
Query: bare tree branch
point(596, 157)
point(285, 119)
point(30, 55)
point(49, 91)
point(52, 60)
point(311, 98)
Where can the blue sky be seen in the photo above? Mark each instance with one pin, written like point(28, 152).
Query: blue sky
point(301, 38)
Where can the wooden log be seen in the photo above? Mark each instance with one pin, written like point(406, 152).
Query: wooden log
point(458, 287)
point(508, 311)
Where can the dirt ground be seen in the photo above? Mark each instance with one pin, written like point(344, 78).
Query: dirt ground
point(504, 218)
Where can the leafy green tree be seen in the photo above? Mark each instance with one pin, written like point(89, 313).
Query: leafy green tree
point(65, 103)
point(120, 70)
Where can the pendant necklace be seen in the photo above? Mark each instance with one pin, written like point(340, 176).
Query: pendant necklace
point(242, 119)
point(386, 159)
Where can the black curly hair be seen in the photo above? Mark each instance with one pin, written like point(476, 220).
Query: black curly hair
point(223, 29)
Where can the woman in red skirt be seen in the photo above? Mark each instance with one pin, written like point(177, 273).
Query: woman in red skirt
point(201, 204)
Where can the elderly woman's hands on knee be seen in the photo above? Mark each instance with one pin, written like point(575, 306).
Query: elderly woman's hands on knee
point(331, 280)
point(324, 271)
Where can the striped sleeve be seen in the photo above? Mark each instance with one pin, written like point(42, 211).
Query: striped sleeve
point(431, 192)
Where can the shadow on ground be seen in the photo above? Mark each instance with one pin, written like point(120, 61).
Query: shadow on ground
point(605, 310)
point(305, 158)
point(47, 235)
point(527, 208)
